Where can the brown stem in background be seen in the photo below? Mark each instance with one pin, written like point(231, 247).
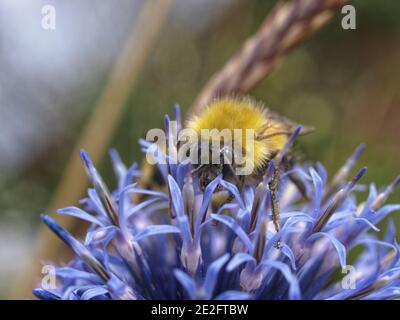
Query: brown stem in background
point(287, 27)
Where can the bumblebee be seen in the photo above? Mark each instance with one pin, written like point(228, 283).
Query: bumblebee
point(271, 133)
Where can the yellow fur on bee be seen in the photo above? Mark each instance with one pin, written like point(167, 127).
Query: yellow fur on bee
point(235, 113)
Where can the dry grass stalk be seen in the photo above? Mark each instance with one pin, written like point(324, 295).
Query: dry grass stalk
point(288, 25)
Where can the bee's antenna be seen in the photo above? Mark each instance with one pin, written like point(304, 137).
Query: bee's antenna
point(270, 135)
point(264, 127)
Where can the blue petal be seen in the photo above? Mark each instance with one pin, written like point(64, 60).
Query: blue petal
point(318, 190)
point(71, 273)
point(384, 294)
point(79, 213)
point(278, 237)
point(120, 290)
point(227, 206)
point(295, 217)
point(187, 282)
point(206, 200)
point(155, 230)
point(130, 174)
point(238, 259)
point(177, 204)
point(132, 188)
point(119, 167)
point(136, 208)
point(181, 172)
point(367, 241)
point(234, 190)
point(45, 294)
point(176, 197)
point(177, 114)
point(103, 235)
point(390, 271)
point(391, 231)
point(96, 179)
point(289, 254)
point(340, 248)
point(234, 295)
point(212, 275)
point(322, 172)
point(384, 211)
point(61, 232)
point(124, 176)
point(87, 161)
point(234, 226)
point(98, 206)
point(93, 293)
point(76, 246)
point(294, 289)
point(368, 223)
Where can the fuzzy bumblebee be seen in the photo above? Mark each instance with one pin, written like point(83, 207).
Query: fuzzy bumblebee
point(271, 134)
point(272, 131)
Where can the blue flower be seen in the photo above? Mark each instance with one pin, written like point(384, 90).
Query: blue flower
point(174, 244)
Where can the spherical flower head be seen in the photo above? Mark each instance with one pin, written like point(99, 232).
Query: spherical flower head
point(175, 244)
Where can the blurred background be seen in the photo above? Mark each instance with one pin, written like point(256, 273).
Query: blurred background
point(345, 83)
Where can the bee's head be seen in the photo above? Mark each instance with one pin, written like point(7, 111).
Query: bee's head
point(208, 171)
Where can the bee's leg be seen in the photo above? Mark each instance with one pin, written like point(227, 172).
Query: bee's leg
point(276, 216)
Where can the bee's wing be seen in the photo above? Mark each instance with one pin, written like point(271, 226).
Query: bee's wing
point(287, 124)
